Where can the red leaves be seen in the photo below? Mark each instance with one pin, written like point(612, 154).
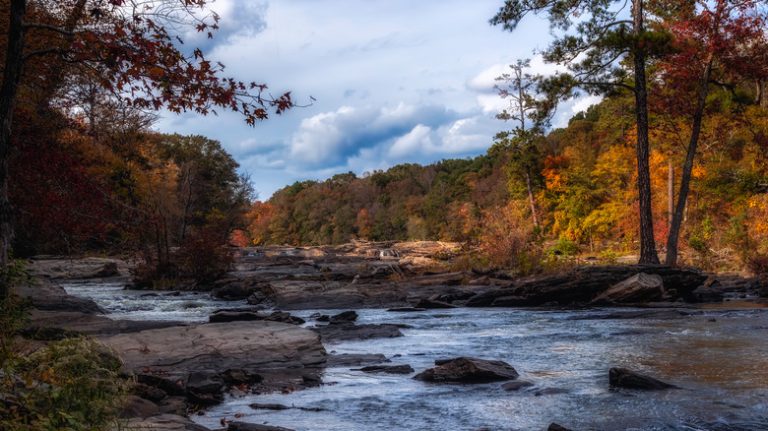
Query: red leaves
point(137, 55)
point(730, 35)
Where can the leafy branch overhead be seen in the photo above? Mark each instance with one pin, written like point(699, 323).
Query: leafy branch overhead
point(135, 51)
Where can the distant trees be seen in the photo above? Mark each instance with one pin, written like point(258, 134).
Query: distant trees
point(586, 192)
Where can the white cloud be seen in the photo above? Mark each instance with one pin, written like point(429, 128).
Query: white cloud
point(412, 142)
point(395, 81)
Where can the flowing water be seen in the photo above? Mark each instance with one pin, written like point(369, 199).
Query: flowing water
point(719, 359)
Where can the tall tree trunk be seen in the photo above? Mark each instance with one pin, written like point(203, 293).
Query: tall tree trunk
point(685, 181)
point(648, 253)
point(531, 199)
point(762, 98)
point(11, 74)
point(670, 190)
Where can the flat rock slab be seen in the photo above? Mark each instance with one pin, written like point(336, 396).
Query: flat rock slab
point(343, 332)
point(468, 370)
point(256, 346)
point(246, 315)
point(624, 378)
point(91, 324)
point(166, 422)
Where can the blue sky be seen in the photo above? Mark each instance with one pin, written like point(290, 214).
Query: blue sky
point(394, 81)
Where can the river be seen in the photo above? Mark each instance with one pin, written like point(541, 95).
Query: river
point(719, 359)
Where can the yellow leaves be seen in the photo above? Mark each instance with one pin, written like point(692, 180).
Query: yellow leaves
point(699, 172)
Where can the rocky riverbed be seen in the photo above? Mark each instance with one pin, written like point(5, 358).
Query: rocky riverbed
point(478, 363)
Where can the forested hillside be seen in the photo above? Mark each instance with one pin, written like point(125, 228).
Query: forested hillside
point(584, 189)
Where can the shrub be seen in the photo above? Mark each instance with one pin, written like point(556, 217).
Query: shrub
point(609, 256)
point(757, 264)
point(203, 256)
point(69, 385)
point(507, 240)
point(564, 247)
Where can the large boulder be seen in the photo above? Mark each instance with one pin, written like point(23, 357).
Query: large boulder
point(468, 370)
point(197, 360)
point(640, 287)
point(624, 378)
point(343, 317)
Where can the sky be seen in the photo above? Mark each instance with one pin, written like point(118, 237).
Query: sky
point(393, 81)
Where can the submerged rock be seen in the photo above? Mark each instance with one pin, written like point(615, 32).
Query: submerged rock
point(355, 359)
point(387, 369)
point(243, 426)
point(516, 385)
point(557, 427)
point(624, 378)
point(279, 407)
point(468, 370)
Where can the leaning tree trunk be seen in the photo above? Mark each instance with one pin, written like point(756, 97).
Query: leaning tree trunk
point(11, 74)
point(531, 199)
point(685, 182)
point(647, 243)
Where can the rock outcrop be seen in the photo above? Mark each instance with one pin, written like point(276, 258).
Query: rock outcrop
point(583, 284)
point(47, 295)
point(200, 361)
